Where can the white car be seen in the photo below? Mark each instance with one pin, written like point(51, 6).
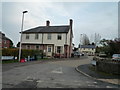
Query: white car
point(116, 57)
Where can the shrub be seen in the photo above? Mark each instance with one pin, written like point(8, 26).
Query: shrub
point(24, 52)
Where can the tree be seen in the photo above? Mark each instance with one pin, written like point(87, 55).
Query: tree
point(93, 43)
point(110, 47)
point(18, 44)
point(11, 44)
point(95, 38)
point(85, 40)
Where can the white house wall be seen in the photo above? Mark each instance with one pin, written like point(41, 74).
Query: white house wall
point(32, 39)
point(54, 40)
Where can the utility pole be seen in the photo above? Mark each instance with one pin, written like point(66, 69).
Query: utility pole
point(21, 34)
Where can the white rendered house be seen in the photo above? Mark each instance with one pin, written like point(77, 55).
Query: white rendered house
point(53, 40)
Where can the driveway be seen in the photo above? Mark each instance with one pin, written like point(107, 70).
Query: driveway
point(50, 74)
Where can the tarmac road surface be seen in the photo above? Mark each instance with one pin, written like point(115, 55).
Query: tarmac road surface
point(51, 74)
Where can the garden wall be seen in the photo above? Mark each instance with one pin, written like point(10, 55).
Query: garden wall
point(108, 66)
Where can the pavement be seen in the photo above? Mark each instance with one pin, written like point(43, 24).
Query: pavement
point(87, 70)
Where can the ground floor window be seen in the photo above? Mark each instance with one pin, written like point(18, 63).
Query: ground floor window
point(28, 47)
point(59, 49)
point(37, 46)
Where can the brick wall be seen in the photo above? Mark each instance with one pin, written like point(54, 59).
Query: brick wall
point(5, 43)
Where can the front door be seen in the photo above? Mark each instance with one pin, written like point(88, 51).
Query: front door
point(49, 50)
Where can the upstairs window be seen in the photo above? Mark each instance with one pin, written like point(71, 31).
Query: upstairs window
point(49, 36)
point(27, 36)
point(59, 36)
point(36, 36)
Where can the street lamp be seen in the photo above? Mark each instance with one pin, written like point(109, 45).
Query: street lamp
point(21, 34)
point(80, 41)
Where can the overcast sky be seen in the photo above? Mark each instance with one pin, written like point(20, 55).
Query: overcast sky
point(88, 17)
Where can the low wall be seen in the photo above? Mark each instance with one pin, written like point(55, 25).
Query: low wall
point(108, 66)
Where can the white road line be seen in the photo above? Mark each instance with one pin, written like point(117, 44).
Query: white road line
point(58, 70)
point(95, 82)
point(39, 81)
point(91, 85)
point(108, 87)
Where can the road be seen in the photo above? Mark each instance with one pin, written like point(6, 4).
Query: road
point(50, 74)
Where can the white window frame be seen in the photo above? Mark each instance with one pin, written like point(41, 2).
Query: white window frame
point(27, 36)
point(49, 48)
point(59, 37)
point(60, 49)
point(36, 36)
point(38, 47)
point(49, 36)
point(27, 47)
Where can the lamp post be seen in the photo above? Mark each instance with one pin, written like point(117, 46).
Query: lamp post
point(21, 34)
point(80, 41)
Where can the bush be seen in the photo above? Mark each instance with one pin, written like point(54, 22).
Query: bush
point(24, 52)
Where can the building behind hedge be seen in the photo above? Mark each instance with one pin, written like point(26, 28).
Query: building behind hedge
point(5, 42)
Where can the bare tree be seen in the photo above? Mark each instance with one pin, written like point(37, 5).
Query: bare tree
point(95, 38)
point(85, 40)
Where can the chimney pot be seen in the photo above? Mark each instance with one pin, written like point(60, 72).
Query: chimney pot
point(47, 23)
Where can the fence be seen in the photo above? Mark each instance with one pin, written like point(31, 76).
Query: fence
point(7, 57)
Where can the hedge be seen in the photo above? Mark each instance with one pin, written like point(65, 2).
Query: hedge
point(24, 52)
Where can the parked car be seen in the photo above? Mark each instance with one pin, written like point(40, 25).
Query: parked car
point(82, 54)
point(116, 57)
point(102, 54)
point(77, 54)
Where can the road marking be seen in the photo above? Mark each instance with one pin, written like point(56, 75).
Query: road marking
point(91, 85)
point(88, 82)
point(39, 81)
point(58, 87)
point(79, 84)
point(58, 70)
point(95, 82)
point(61, 80)
point(76, 81)
point(108, 87)
point(29, 78)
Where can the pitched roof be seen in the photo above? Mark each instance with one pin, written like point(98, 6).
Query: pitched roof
point(48, 29)
point(87, 46)
point(3, 36)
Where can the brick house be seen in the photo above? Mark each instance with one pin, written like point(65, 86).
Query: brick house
point(52, 40)
point(5, 41)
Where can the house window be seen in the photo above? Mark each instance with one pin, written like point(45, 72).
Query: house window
point(49, 48)
point(37, 47)
point(59, 36)
point(5, 42)
point(36, 36)
point(49, 36)
point(28, 46)
point(59, 49)
point(27, 36)
point(92, 48)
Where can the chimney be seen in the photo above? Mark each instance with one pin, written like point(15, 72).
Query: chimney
point(71, 23)
point(47, 23)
